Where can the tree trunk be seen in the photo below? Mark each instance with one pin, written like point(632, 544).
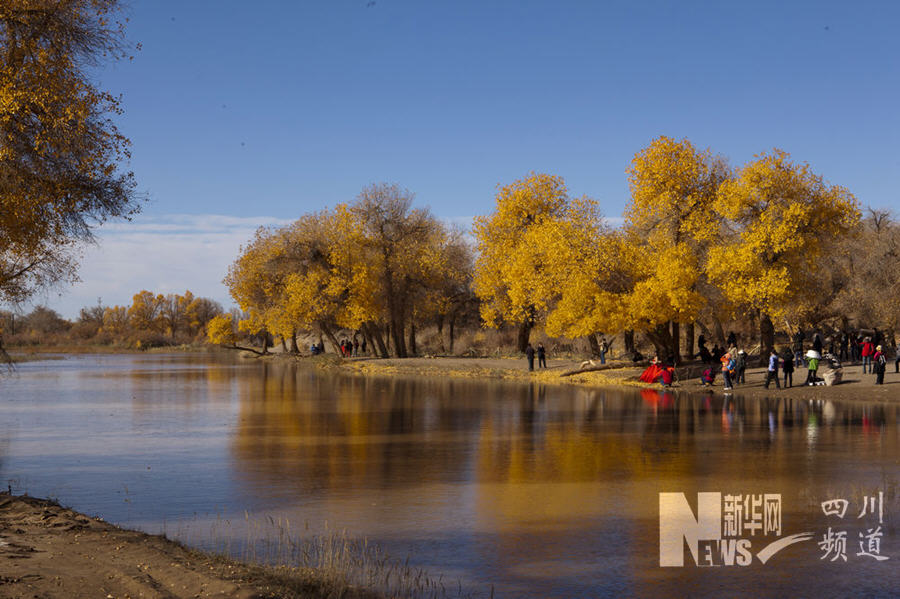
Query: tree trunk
point(412, 339)
point(629, 341)
point(766, 338)
point(397, 337)
point(720, 331)
point(440, 329)
point(331, 338)
point(688, 341)
point(283, 345)
point(381, 347)
point(450, 330)
point(524, 335)
point(594, 344)
point(294, 348)
point(370, 341)
point(661, 339)
point(675, 349)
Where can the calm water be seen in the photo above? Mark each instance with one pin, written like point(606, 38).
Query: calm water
point(540, 491)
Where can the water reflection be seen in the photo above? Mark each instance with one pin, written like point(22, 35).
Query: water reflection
point(539, 490)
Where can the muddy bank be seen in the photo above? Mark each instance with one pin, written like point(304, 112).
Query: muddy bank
point(855, 386)
point(49, 551)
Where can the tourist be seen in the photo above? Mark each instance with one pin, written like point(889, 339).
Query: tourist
point(817, 343)
point(708, 378)
point(772, 370)
point(727, 370)
point(355, 346)
point(867, 351)
point(788, 368)
point(740, 368)
point(529, 355)
point(812, 366)
point(542, 356)
point(880, 364)
point(604, 347)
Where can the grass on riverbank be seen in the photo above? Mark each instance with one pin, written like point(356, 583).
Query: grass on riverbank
point(345, 564)
point(50, 551)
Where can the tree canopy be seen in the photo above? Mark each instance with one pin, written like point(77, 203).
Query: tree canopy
point(60, 153)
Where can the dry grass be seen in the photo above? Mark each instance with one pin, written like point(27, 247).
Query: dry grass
point(342, 565)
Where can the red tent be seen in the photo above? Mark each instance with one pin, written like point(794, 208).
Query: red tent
point(652, 374)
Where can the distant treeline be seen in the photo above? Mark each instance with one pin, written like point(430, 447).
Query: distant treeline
point(151, 320)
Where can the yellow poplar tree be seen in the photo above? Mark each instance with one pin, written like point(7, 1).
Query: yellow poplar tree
point(586, 279)
point(146, 312)
point(506, 268)
point(783, 218)
point(671, 220)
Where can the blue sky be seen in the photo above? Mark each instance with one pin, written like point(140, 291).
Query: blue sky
point(245, 113)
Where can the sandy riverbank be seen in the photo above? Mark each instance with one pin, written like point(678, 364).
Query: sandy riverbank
point(48, 551)
point(855, 385)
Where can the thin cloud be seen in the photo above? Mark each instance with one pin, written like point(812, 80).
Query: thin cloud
point(164, 254)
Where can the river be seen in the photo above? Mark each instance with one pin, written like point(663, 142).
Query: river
point(529, 490)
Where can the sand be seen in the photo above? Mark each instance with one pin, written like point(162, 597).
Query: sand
point(48, 551)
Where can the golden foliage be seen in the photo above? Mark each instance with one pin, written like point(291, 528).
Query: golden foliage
point(220, 330)
point(783, 217)
point(59, 151)
point(376, 263)
point(510, 278)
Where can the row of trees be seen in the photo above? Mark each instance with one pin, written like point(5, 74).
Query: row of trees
point(769, 243)
point(150, 320)
point(700, 239)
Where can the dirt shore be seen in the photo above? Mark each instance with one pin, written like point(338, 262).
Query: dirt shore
point(854, 386)
point(48, 551)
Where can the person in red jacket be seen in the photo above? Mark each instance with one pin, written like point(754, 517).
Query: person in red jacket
point(868, 350)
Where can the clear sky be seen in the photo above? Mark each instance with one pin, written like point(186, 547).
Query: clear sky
point(247, 113)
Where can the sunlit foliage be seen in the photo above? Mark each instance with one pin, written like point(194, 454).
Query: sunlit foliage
point(60, 153)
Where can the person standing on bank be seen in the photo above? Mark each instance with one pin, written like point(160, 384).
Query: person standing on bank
point(812, 366)
point(788, 369)
point(879, 362)
point(798, 348)
point(529, 355)
point(542, 356)
point(740, 368)
point(727, 370)
point(868, 348)
point(772, 372)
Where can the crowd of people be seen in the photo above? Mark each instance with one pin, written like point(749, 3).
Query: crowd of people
point(866, 349)
point(348, 348)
